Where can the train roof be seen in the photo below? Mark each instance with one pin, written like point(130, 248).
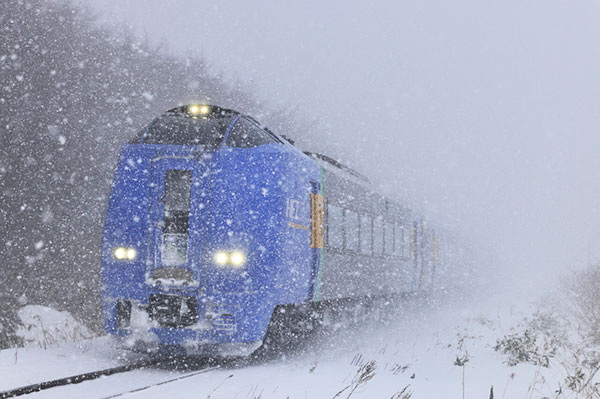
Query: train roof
point(337, 166)
point(208, 111)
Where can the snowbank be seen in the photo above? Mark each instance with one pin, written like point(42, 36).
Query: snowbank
point(44, 327)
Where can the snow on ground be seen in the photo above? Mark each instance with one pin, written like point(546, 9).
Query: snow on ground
point(30, 365)
point(424, 353)
point(414, 355)
point(56, 346)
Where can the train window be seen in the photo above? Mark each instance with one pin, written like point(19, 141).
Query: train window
point(435, 248)
point(246, 134)
point(351, 230)
point(178, 184)
point(378, 235)
point(399, 240)
point(335, 226)
point(184, 130)
point(412, 240)
point(366, 234)
point(389, 238)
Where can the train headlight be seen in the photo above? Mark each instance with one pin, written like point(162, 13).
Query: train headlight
point(233, 258)
point(221, 258)
point(123, 253)
point(237, 258)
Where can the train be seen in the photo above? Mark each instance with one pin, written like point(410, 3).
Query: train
point(218, 230)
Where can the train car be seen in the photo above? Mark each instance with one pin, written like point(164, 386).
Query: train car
point(374, 247)
point(216, 227)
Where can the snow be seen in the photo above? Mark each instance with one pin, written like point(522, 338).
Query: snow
point(30, 365)
point(140, 329)
point(148, 96)
point(416, 353)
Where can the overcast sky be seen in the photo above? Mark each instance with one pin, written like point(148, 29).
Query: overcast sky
point(486, 114)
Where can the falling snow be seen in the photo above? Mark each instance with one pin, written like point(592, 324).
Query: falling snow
point(482, 117)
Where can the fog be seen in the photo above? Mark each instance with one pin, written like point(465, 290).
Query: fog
point(481, 114)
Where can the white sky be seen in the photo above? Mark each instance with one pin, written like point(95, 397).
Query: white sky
point(486, 113)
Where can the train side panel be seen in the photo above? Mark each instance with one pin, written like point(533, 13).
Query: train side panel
point(372, 244)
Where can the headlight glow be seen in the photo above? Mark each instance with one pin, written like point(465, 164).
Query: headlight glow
point(131, 253)
point(233, 258)
point(123, 253)
point(237, 258)
point(120, 253)
point(221, 258)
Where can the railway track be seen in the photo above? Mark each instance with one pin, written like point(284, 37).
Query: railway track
point(79, 378)
point(181, 377)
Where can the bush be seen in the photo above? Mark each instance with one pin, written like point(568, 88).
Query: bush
point(523, 348)
point(583, 302)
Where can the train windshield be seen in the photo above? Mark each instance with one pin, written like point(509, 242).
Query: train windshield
point(184, 130)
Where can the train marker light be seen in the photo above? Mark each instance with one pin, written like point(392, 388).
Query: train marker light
point(221, 258)
point(198, 109)
point(122, 253)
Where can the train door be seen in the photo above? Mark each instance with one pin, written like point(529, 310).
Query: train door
point(317, 213)
point(176, 235)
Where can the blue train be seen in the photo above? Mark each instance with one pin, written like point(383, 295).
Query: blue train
point(217, 230)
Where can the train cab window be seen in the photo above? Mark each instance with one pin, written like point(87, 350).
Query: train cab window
point(184, 130)
point(366, 234)
point(246, 134)
point(378, 235)
point(335, 226)
point(389, 238)
point(351, 230)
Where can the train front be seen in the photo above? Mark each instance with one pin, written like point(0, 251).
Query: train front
point(207, 231)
